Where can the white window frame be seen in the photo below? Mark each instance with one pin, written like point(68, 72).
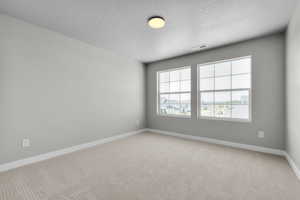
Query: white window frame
point(158, 94)
point(224, 90)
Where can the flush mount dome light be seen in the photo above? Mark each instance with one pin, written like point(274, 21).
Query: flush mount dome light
point(156, 22)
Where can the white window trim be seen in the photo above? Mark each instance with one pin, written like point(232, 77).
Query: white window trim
point(158, 94)
point(230, 119)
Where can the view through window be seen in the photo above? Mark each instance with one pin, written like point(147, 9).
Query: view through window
point(225, 89)
point(174, 92)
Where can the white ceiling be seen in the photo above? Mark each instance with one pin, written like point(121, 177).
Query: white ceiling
point(120, 25)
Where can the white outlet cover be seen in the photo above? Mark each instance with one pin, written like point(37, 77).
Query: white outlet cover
point(25, 143)
point(261, 134)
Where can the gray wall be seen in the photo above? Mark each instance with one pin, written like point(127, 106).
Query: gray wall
point(268, 94)
point(293, 87)
point(60, 92)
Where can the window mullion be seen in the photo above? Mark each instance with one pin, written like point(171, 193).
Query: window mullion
point(250, 103)
point(175, 92)
point(158, 93)
point(199, 105)
point(231, 89)
point(214, 103)
point(179, 82)
point(169, 81)
point(226, 90)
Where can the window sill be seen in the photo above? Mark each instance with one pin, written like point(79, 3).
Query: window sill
point(175, 116)
point(225, 119)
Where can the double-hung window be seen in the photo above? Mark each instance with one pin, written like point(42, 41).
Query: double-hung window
point(174, 92)
point(224, 89)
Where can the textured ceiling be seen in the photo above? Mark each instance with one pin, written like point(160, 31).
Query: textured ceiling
point(120, 25)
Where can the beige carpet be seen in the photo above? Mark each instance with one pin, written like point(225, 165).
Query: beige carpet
point(154, 167)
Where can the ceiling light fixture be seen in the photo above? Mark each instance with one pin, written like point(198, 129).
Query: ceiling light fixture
point(156, 22)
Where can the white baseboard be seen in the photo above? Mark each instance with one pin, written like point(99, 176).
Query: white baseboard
point(38, 158)
point(235, 145)
point(293, 165)
point(222, 142)
point(41, 157)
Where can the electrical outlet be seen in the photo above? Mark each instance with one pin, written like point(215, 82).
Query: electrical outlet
point(25, 143)
point(260, 134)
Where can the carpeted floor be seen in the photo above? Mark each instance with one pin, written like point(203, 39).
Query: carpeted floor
point(154, 167)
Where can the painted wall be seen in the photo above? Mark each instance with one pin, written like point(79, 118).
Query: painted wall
point(293, 87)
point(268, 112)
point(60, 92)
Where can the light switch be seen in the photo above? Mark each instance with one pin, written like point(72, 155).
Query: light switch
point(25, 143)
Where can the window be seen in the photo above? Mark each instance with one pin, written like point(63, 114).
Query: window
point(224, 90)
point(174, 92)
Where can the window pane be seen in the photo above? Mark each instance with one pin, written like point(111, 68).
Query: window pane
point(164, 87)
point(185, 100)
point(224, 89)
point(173, 109)
point(206, 71)
point(185, 86)
point(222, 111)
point(174, 86)
point(206, 84)
point(185, 104)
point(185, 109)
point(174, 75)
point(164, 103)
point(241, 81)
point(207, 98)
point(164, 98)
point(223, 69)
point(207, 110)
point(240, 111)
point(164, 77)
point(223, 98)
point(174, 99)
point(223, 83)
point(240, 97)
point(185, 74)
point(241, 66)
point(176, 81)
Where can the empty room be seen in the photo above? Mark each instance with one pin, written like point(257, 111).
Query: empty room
point(150, 100)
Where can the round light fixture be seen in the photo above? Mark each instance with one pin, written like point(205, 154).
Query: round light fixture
point(156, 22)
